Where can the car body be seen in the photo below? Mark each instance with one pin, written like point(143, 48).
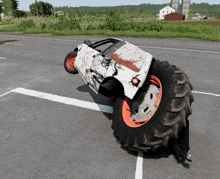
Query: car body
point(138, 84)
point(121, 61)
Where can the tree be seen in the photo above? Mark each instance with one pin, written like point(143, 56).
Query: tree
point(20, 14)
point(36, 8)
point(0, 10)
point(0, 7)
point(41, 8)
point(10, 7)
point(217, 15)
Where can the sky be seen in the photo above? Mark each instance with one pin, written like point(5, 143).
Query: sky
point(24, 4)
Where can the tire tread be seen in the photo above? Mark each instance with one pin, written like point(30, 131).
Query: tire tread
point(166, 124)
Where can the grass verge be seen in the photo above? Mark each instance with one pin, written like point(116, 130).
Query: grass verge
point(129, 33)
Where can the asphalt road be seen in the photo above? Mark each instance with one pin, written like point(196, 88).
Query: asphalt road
point(44, 139)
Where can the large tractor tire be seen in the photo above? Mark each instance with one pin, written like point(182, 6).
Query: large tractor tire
point(69, 63)
point(158, 112)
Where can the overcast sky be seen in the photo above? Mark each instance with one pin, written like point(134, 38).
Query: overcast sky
point(24, 4)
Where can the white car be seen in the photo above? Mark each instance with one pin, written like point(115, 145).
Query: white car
point(152, 98)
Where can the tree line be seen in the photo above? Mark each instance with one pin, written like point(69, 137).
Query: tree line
point(202, 8)
point(9, 7)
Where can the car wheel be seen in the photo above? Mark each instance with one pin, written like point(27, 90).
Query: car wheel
point(69, 62)
point(157, 113)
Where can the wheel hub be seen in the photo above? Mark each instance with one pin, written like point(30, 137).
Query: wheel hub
point(146, 104)
point(70, 62)
point(139, 111)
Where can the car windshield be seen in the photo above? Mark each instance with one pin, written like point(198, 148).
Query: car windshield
point(112, 48)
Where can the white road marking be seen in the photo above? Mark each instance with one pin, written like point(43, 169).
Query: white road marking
point(43, 38)
point(2, 58)
point(5, 94)
point(165, 48)
point(199, 92)
point(88, 105)
point(180, 49)
point(139, 166)
point(65, 100)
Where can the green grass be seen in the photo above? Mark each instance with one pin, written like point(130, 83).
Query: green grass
point(6, 23)
point(11, 29)
point(128, 33)
point(115, 26)
point(193, 21)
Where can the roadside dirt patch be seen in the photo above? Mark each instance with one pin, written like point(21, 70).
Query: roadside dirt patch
point(1, 26)
point(38, 35)
point(30, 35)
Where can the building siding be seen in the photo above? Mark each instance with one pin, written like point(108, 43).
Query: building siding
point(174, 17)
point(164, 11)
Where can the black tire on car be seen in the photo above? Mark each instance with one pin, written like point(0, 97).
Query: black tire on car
point(69, 62)
point(169, 118)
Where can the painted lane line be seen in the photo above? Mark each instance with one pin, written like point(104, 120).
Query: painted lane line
point(212, 94)
point(139, 166)
point(65, 100)
point(88, 105)
point(165, 48)
point(2, 58)
point(1, 42)
point(180, 49)
point(43, 38)
point(5, 93)
point(84, 104)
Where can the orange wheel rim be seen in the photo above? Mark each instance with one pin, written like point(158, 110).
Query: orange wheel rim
point(70, 62)
point(126, 108)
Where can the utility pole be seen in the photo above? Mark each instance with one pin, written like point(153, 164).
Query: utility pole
point(36, 6)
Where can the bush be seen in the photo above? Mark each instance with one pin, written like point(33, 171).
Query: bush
point(44, 22)
point(139, 26)
point(111, 25)
point(26, 24)
point(189, 28)
point(7, 22)
point(20, 14)
point(114, 22)
point(92, 23)
point(155, 25)
point(11, 29)
point(64, 25)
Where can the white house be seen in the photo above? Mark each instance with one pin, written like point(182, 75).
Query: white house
point(2, 15)
point(164, 11)
point(198, 16)
point(59, 13)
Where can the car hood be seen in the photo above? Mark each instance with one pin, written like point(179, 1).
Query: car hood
point(131, 57)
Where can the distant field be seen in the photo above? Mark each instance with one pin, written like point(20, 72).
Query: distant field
point(1, 26)
point(207, 30)
point(193, 22)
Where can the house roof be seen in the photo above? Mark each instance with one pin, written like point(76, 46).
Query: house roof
point(168, 6)
point(174, 14)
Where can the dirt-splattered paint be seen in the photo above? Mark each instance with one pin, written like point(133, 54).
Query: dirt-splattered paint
point(125, 63)
point(131, 57)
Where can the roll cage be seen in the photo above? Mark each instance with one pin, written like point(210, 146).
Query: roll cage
point(103, 42)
